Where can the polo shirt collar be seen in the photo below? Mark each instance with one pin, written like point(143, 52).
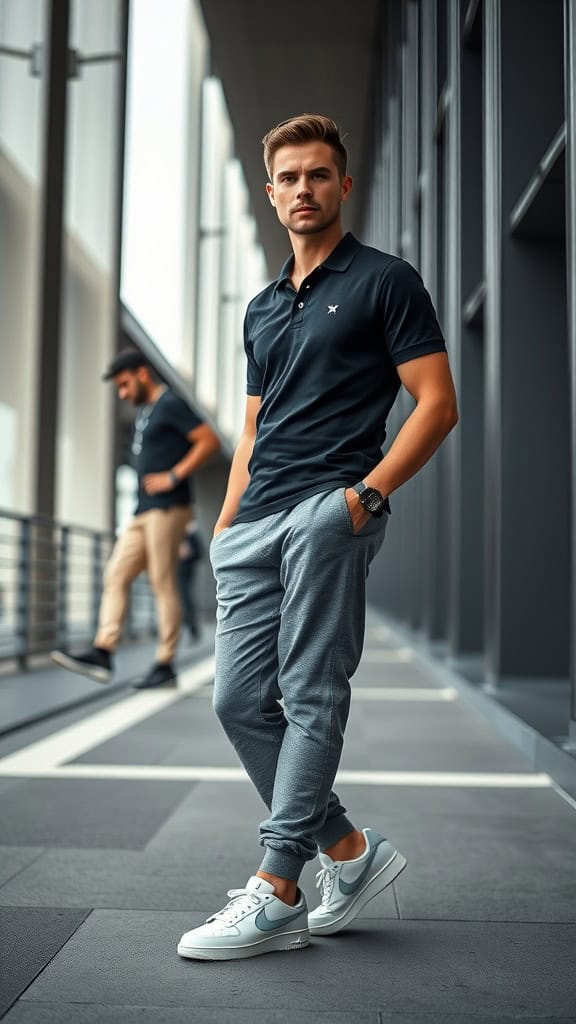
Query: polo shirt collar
point(339, 259)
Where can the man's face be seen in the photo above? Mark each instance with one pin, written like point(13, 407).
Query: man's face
point(306, 189)
point(133, 385)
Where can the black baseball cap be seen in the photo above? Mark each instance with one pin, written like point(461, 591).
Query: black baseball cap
point(127, 359)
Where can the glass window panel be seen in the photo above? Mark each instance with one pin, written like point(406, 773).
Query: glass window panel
point(22, 27)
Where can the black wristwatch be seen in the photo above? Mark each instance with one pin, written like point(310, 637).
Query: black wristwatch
point(371, 500)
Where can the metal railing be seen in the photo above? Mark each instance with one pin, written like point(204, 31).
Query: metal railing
point(51, 585)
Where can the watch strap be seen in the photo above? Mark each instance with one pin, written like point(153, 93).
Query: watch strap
point(360, 487)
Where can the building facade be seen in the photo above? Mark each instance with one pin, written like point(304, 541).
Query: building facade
point(126, 214)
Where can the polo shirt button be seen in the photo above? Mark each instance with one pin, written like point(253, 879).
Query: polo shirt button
point(300, 305)
point(307, 285)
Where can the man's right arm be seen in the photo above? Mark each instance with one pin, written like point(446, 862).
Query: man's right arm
point(239, 476)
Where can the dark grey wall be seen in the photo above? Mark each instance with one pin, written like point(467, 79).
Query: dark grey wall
point(480, 555)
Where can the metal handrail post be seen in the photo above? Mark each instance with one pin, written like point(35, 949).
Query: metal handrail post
point(62, 591)
point(96, 579)
point(23, 594)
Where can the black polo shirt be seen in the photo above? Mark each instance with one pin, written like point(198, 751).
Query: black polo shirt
point(324, 360)
point(160, 441)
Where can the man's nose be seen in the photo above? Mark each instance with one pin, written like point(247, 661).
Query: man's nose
point(304, 188)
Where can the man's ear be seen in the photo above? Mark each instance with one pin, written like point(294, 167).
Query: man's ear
point(270, 193)
point(346, 188)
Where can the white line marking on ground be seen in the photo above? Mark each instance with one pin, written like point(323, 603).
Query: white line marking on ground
point(565, 796)
point(175, 773)
point(75, 740)
point(376, 655)
point(398, 693)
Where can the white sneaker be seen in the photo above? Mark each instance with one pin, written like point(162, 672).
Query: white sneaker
point(255, 921)
point(348, 885)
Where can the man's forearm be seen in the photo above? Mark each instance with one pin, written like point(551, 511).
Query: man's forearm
point(238, 481)
point(200, 452)
point(420, 436)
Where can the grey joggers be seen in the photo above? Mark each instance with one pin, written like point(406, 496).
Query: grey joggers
point(290, 624)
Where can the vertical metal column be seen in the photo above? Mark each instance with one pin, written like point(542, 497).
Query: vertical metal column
point(55, 69)
point(493, 381)
point(428, 269)
point(453, 209)
point(464, 275)
point(119, 187)
point(570, 102)
point(526, 351)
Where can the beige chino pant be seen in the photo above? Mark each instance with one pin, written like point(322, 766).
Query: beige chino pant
point(149, 542)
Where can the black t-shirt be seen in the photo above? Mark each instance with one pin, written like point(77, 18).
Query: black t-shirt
point(159, 442)
point(324, 360)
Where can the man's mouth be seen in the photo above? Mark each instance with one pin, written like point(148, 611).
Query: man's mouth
point(305, 209)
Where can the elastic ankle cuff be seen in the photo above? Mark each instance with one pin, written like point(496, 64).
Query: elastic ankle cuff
point(282, 863)
point(333, 831)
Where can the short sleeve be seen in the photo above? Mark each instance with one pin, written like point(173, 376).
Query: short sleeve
point(181, 417)
point(253, 372)
point(410, 322)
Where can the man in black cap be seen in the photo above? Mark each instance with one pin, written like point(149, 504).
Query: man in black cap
point(169, 444)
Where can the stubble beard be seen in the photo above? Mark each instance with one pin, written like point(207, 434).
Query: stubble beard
point(314, 228)
point(141, 397)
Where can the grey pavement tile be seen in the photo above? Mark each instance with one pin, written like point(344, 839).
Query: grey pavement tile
point(37, 695)
point(29, 1013)
point(23, 737)
point(473, 854)
point(13, 860)
point(394, 736)
point(7, 784)
point(59, 1013)
point(209, 845)
point(29, 938)
point(402, 966)
point(87, 812)
point(185, 733)
point(380, 736)
point(390, 673)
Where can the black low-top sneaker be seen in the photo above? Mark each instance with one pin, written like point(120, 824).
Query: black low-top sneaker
point(161, 674)
point(95, 663)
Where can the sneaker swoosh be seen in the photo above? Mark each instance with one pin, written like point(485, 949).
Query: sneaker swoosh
point(266, 925)
point(347, 888)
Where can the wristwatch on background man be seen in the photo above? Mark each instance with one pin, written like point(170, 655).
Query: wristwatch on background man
point(371, 500)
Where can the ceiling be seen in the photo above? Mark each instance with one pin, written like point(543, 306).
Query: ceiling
point(277, 60)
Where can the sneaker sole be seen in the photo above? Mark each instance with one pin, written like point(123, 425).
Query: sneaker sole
point(100, 675)
point(286, 942)
point(173, 681)
point(387, 874)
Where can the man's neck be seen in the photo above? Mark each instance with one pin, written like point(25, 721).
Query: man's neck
point(155, 392)
point(311, 250)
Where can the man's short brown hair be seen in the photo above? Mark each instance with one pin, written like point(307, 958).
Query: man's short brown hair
point(305, 128)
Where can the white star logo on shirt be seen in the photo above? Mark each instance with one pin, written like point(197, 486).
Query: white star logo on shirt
point(332, 309)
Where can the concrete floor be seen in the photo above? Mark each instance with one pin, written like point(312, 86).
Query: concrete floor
point(123, 823)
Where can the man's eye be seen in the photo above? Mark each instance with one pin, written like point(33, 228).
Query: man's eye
point(319, 174)
point(288, 178)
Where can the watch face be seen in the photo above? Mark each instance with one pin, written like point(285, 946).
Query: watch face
point(372, 500)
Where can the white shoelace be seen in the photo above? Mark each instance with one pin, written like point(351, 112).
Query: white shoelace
point(241, 903)
point(325, 882)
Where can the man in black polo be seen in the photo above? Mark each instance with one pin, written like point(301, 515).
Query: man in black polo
point(169, 443)
point(328, 346)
